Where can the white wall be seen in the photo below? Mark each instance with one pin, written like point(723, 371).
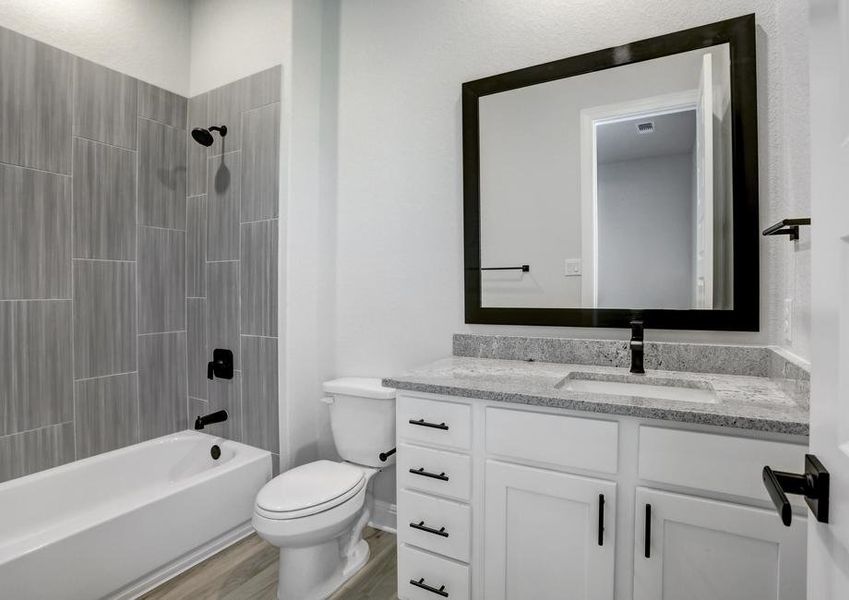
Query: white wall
point(231, 40)
point(147, 39)
point(645, 232)
point(399, 257)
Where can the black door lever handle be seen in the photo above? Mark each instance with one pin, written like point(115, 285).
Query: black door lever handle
point(813, 484)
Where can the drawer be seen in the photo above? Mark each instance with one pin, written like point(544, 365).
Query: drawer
point(714, 462)
point(441, 526)
point(437, 573)
point(573, 442)
point(435, 471)
point(434, 422)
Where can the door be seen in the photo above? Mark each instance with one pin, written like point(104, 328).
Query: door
point(689, 548)
point(703, 292)
point(549, 535)
point(828, 552)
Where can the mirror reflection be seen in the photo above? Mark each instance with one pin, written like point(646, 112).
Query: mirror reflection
point(610, 189)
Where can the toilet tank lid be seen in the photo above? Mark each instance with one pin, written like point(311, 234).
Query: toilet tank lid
point(362, 387)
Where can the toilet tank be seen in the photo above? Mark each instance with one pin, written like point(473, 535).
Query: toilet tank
point(362, 417)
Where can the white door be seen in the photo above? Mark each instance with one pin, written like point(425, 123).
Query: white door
point(698, 549)
point(828, 551)
point(544, 536)
point(704, 188)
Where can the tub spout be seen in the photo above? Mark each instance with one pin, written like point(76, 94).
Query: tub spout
point(216, 417)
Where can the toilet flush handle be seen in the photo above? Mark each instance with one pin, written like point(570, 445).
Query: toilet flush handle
point(328, 400)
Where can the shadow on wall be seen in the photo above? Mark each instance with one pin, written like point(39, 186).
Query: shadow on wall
point(222, 177)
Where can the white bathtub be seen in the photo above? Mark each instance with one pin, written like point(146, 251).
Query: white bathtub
point(116, 524)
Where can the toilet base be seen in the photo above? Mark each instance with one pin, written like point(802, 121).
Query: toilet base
point(315, 572)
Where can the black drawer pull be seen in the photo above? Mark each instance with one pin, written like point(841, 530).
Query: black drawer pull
point(647, 550)
point(422, 527)
point(421, 584)
point(420, 471)
point(601, 519)
point(423, 423)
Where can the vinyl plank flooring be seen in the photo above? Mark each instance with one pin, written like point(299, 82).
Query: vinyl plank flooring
point(162, 175)
point(162, 280)
point(259, 278)
point(35, 234)
point(105, 105)
point(104, 201)
point(106, 414)
point(162, 384)
point(222, 206)
point(248, 570)
point(260, 162)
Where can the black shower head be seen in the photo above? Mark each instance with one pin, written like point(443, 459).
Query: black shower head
point(203, 136)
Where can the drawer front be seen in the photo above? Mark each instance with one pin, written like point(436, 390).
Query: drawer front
point(566, 441)
point(435, 471)
point(441, 526)
point(434, 422)
point(714, 462)
point(437, 577)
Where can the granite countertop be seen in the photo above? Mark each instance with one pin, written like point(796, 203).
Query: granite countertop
point(754, 403)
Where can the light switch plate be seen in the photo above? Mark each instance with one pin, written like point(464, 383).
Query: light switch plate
point(573, 267)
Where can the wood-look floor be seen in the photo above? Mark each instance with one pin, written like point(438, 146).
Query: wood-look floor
point(247, 570)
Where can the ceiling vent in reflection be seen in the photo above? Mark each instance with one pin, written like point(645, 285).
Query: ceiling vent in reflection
point(645, 127)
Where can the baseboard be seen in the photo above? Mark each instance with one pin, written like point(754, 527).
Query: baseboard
point(384, 516)
point(184, 563)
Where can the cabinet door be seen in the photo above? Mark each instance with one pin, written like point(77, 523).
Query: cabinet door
point(709, 550)
point(549, 535)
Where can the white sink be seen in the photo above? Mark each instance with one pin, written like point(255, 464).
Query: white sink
point(677, 391)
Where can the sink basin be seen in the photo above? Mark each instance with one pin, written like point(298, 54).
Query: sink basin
point(658, 388)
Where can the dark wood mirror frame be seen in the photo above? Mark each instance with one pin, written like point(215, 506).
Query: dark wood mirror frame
point(739, 33)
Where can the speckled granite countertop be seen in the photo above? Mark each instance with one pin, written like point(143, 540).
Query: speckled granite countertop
point(755, 403)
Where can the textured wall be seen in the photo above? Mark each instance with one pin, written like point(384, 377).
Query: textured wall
point(232, 221)
point(92, 246)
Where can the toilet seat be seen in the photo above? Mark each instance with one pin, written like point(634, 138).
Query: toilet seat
point(309, 489)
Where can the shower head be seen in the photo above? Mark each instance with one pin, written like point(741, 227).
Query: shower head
point(203, 136)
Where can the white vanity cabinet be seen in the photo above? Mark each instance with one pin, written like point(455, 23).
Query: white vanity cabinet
point(500, 501)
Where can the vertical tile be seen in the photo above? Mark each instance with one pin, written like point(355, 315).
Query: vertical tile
point(222, 242)
point(197, 407)
point(35, 364)
point(259, 278)
point(162, 280)
point(196, 246)
point(226, 394)
point(104, 201)
point(199, 356)
point(105, 105)
point(196, 184)
point(260, 392)
point(162, 175)
point(161, 105)
point(264, 87)
point(162, 384)
point(104, 318)
point(36, 450)
point(260, 162)
point(36, 88)
point(35, 234)
point(222, 328)
point(106, 414)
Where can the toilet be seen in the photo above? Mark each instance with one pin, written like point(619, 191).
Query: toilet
point(316, 513)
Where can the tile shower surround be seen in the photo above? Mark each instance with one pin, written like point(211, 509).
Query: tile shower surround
point(107, 309)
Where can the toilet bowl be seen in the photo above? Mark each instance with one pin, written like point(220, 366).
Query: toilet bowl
point(316, 513)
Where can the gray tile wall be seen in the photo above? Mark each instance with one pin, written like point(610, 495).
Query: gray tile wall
point(93, 259)
point(232, 233)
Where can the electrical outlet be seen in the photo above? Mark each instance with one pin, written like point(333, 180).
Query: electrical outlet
point(573, 267)
point(788, 319)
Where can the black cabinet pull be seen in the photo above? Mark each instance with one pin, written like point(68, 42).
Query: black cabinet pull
point(813, 484)
point(421, 584)
point(601, 519)
point(421, 472)
point(422, 527)
point(648, 531)
point(423, 423)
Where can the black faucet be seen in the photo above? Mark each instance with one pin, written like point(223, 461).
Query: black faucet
point(637, 347)
point(221, 365)
point(216, 417)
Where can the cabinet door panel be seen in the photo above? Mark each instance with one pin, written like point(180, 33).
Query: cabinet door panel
point(709, 550)
point(542, 534)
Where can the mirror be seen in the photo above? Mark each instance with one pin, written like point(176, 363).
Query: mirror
point(617, 185)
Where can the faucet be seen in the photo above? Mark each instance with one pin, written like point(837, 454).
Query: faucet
point(637, 348)
point(216, 417)
point(221, 365)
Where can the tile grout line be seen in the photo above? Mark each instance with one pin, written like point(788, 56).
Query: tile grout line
point(25, 431)
point(74, 83)
point(96, 377)
point(138, 262)
point(99, 142)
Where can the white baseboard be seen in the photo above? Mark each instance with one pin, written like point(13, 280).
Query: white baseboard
point(384, 516)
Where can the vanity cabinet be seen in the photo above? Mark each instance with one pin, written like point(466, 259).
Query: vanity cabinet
point(500, 501)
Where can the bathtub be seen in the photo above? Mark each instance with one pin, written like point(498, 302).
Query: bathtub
point(117, 524)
